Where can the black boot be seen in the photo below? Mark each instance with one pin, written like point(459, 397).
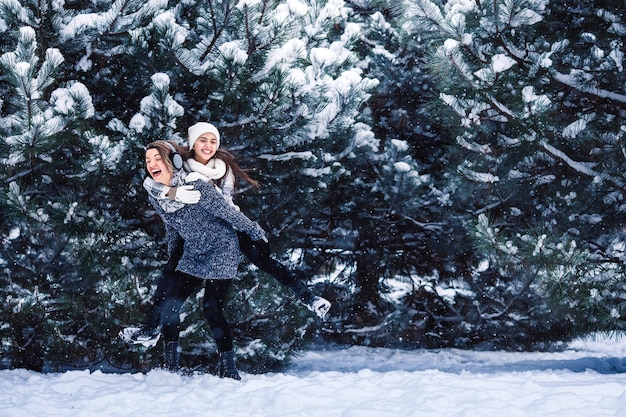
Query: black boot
point(170, 354)
point(227, 368)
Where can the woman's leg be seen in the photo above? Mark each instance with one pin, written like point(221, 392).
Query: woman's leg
point(153, 320)
point(148, 333)
point(265, 262)
point(180, 288)
point(215, 293)
point(294, 280)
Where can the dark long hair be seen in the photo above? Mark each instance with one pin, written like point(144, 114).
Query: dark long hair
point(231, 163)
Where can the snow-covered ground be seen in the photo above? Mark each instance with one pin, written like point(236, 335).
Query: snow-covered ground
point(588, 379)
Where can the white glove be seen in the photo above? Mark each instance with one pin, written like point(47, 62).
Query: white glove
point(195, 176)
point(187, 195)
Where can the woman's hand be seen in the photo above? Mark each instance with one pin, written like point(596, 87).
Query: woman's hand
point(184, 194)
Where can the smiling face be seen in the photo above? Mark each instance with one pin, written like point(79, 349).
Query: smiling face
point(157, 167)
point(205, 147)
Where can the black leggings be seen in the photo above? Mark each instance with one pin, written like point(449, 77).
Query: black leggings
point(153, 320)
point(215, 293)
point(248, 247)
point(265, 262)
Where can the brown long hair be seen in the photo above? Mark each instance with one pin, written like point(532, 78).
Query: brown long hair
point(166, 152)
point(231, 162)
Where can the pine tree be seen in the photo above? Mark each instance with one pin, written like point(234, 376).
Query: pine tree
point(537, 110)
point(278, 79)
point(61, 238)
point(387, 217)
point(284, 92)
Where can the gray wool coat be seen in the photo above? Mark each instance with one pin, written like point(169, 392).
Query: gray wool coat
point(211, 249)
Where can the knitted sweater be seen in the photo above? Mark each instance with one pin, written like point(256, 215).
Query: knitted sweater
point(211, 249)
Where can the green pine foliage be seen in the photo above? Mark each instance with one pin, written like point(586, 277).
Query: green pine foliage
point(537, 120)
point(280, 81)
point(62, 236)
point(446, 173)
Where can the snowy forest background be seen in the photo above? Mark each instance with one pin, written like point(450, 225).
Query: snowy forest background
point(447, 173)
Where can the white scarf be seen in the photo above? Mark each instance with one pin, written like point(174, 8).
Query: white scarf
point(214, 169)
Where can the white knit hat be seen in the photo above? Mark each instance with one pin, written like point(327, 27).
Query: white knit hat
point(199, 129)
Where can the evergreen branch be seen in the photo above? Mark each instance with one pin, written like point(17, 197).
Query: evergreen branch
point(429, 14)
point(490, 206)
point(19, 175)
point(217, 28)
point(506, 306)
point(590, 92)
point(432, 227)
point(582, 167)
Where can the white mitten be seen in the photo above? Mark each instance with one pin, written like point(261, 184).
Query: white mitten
point(195, 176)
point(187, 195)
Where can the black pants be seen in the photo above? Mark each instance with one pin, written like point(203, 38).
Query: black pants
point(167, 276)
point(265, 262)
point(282, 274)
point(215, 293)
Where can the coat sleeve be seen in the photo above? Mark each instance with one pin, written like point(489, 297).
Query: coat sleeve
point(158, 192)
point(155, 189)
point(213, 201)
